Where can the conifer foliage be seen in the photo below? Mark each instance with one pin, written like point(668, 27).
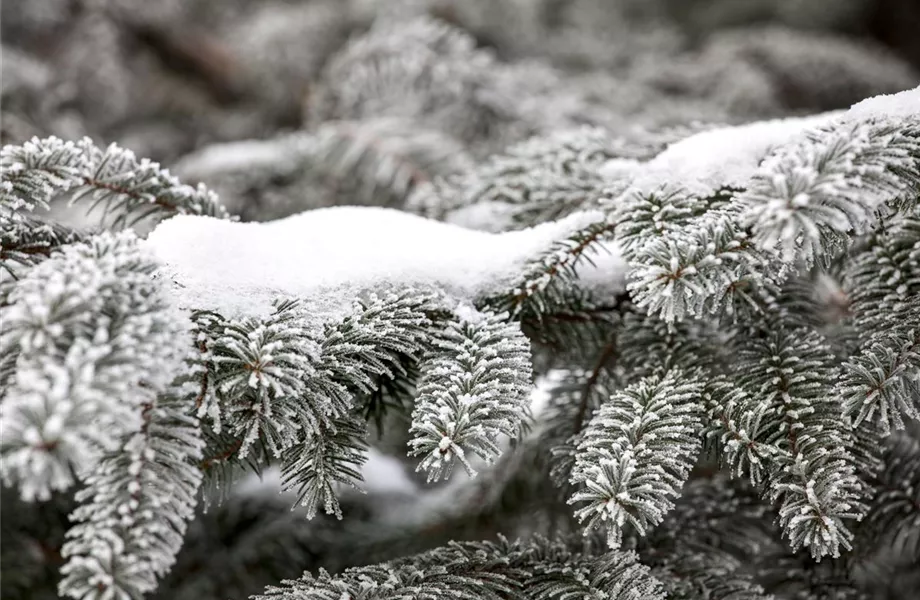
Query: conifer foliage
point(690, 368)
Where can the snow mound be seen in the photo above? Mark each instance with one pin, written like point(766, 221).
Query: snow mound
point(328, 256)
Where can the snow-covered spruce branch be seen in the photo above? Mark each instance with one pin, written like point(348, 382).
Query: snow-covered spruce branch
point(356, 354)
point(881, 383)
point(542, 179)
point(894, 511)
point(137, 503)
point(833, 183)
point(810, 474)
point(95, 340)
point(473, 390)
point(130, 189)
point(716, 530)
point(537, 570)
point(710, 267)
point(541, 286)
point(25, 242)
point(804, 201)
point(636, 453)
point(288, 383)
point(258, 370)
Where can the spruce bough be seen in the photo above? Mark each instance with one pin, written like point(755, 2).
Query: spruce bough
point(716, 387)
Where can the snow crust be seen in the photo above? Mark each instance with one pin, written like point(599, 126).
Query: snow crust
point(328, 256)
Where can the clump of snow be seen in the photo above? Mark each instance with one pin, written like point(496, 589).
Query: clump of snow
point(328, 256)
point(727, 156)
point(619, 168)
point(901, 105)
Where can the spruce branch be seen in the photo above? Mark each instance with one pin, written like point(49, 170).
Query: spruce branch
point(96, 340)
point(260, 371)
point(643, 215)
point(832, 183)
point(473, 389)
point(541, 179)
point(636, 453)
point(136, 505)
point(788, 376)
point(536, 570)
point(332, 456)
point(130, 189)
point(541, 286)
point(882, 384)
point(710, 267)
point(356, 354)
point(893, 517)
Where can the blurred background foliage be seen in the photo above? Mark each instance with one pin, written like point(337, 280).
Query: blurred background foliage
point(283, 106)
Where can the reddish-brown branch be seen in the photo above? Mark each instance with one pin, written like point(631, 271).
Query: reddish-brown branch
point(89, 181)
point(208, 462)
point(554, 269)
point(202, 392)
point(30, 249)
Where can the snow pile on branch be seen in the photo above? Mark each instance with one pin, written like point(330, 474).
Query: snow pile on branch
point(901, 105)
point(327, 256)
point(730, 156)
point(723, 157)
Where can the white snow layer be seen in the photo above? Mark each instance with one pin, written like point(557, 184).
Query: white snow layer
point(730, 156)
point(726, 156)
point(327, 256)
point(901, 105)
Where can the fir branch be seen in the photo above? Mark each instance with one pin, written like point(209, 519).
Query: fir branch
point(386, 158)
point(355, 356)
point(882, 383)
point(832, 183)
point(315, 467)
point(893, 518)
point(260, 370)
point(643, 216)
point(711, 267)
point(787, 376)
point(537, 570)
point(540, 286)
point(541, 179)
